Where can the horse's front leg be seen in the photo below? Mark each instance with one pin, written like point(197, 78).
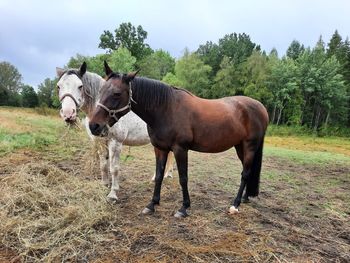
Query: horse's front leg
point(169, 167)
point(114, 148)
point(161, 159)
point(181, 156)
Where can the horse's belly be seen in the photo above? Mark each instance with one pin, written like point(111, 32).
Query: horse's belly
point(212, 147)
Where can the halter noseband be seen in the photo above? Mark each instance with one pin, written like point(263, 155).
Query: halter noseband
point(112, 113)
point(70, 96)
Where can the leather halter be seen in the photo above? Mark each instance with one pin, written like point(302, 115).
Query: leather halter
point(70, 96)
point(111, 112)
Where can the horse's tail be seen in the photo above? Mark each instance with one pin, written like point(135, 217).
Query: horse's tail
point(254, 178)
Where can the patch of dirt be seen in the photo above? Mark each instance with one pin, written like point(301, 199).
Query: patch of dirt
point(302, 213)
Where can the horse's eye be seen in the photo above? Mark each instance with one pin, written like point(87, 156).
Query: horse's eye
point(58, 88)
point(117, 94)
point(80, 87)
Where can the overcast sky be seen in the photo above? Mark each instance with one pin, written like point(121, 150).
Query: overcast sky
point(36, 36)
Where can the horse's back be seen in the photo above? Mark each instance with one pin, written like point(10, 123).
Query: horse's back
point(219, 124)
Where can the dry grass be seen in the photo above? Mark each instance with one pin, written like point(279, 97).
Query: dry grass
point(53, 209)
point(48, 214)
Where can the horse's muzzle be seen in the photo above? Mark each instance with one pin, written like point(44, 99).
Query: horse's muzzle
point(98, 130)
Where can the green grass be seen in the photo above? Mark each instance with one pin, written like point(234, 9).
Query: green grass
point(25, 129)
point(307, 157)
point(10, 142)
point(284, 130)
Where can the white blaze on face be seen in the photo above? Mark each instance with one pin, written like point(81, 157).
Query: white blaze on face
point(69, 84)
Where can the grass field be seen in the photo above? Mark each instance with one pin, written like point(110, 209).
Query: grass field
point(53, 208)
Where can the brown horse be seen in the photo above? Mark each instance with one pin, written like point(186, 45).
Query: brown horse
point(179, 121)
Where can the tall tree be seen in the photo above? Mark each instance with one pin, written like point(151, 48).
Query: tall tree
point(257, 69)
point(284, 88)
point(29, 97)
point(46, 92)
point(10, 84)
point(121, 60)
point(127, 36)
point(295, 49)
point(193, 74)
point(75, 62)
point(157, 65)
point(225, 81)
point(237, 47)
point(210, 54)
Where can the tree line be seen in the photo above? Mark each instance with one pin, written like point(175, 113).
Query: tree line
point(308, 86)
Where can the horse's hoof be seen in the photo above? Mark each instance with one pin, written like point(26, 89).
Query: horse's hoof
point(180, 214)
point(112, 197)
point(147, 211)
point(233, 210)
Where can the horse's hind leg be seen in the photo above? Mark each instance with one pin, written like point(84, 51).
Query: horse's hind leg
point(181, 156)
point(114, 148)
point(169, 165)
point(240, 154)
point(248, 149)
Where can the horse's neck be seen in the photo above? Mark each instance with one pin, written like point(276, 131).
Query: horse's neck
point(146, 116)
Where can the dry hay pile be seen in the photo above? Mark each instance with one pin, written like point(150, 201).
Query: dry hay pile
point(47, 214)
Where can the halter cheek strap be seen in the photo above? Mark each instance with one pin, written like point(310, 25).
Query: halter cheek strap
point(112, 113)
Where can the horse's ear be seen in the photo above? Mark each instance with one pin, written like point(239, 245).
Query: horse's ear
point(59, 72)
point(108, 70)
point(130, 76)
point(82, 69)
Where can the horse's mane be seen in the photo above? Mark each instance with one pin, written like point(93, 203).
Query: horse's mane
point(91, 85)
point(153, 94)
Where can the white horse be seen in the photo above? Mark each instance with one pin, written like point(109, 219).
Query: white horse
point(78, 89)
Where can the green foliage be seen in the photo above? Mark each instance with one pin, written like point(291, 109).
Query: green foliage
point(284, 88)
point(308, 86)
point(46, 93)
point(10, 84)
point(127, 36)
point(157, 65)
point(75, 62)
point(193, 74)
point(121, 60)
point(211, 55)
point(257, 69)
point(295, 50)
point(29, 97)
point(172, 80)
point(237, 47)
point(225, 82)
point(322, 87)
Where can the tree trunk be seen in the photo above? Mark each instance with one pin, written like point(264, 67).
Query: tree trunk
point(279, 115)
point(327, 118)
point(273, 114)
point(318, 114)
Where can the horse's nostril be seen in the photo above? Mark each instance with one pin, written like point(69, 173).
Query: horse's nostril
point(93, 127)
point(73, 111)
